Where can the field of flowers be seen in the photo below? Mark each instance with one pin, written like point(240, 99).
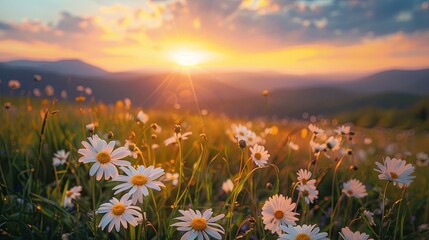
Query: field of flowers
point(93, 171)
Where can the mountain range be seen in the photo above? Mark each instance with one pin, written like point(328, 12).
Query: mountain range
point(234, 93)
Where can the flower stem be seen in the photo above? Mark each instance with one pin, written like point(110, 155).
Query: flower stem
point(383, 210)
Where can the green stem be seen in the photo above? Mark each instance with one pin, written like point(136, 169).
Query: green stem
point(383, 210)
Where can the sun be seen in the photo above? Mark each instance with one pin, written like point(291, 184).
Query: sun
point(188, 58)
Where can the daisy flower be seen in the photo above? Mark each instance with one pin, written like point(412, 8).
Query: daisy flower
point(119, 212)
point(369, 216)
point(293, 146)
point(343, 130)
point(142, 117)
point(138, 181)
point(354, 188)
point(333, 143)
point(103, 156)
point(259, 155)
point(317, 147)
point(309, 192)
point(227, 186)
point(304, 177)
point(72, 193)
point(174, 177)
point(131, 149)
point(315, 130)
point(304, 232)
point(177, 137)
point(60, 157)
point(396, 171)
point(422, 159)
point(347, 234)
point(90, 127)
point(240, 131)
point(278, 210)
point(199, 225)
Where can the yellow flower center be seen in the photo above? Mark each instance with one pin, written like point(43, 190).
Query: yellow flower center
point(199, 224)
point(103, 157)
point(139, 179)
point(118, 209)
point(250, 139)
point(241, 133)
point(393, 175)
point(279, 214)
point(258, 156)
point(302, 236)
point(305, 193)
point(350, 192)
point(69, 193)
point(304, 181)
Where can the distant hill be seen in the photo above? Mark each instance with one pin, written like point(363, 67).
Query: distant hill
point(237, 94)
point(405, 81)
point(68, 67)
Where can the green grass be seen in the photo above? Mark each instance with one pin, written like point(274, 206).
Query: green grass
point(32, 191)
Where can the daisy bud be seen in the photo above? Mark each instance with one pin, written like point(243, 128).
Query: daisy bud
point(242, 144)
point(269, 186)
point(353, 167)
point(203, 136)
point(177, 128)
point(37, 78)
point(154, 136)
point(154, 126)
point(132, 135)
point(110, 135)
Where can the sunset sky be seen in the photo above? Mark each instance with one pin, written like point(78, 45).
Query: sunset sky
point(298, 37)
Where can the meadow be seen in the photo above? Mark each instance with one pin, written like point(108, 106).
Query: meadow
point(187, 175)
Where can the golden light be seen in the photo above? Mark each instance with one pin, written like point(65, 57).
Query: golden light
point(187, 58)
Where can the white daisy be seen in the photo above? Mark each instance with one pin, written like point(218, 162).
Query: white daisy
point(343, 130)
point(131, 149)
point(240, 131)
point(259, 155)
point(278, 210)
point(317, 147)
point(309, 192)
point(304, 177)
point(173, 177)
point(354, 188)
point(104, 157)
point(396, 171)
point(227, 186)
point(422, 159)
point(138, 181)
point(369, 216)
point(333, 143)
point(347, 234)
point(177, 137)
point(304, 232)
point(142, 117)
point(315, 130)
point(90, 127)
point(60, 158)
point(197, 225)
point(119, 212)
point(72, 193)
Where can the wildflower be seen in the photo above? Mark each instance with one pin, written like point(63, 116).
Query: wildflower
point(80, 88)
point(242, 144)
point(88, 91)
point(293, 146)
point(174, 177)
point(396, 171)
point(251, 138)
point(316, 147)
point(315, 130)
point(104, 157)
point(333, 143)
point(422, 159)
point(90, 127)
point(138, 181)
point(259, 155)
point(71, 194)
point(309, 192)
point(347, 234)
point(304, 177)
point(239, 131)
point(343, 130)
point(176, 138)
point(354, 188)
point(119, 212)
point(127, 103)
point(80, 99)
point(307, 232)
point(265, 93)
point(367, 141)
point(14, 84)
point(278, 210)
point(60, 157)
point(7, 105)
point(227, 186)
point(37, 78)
point(131, 148)
point(49, 90)
point(369, 216)
point(197, 225)
point(142, 117)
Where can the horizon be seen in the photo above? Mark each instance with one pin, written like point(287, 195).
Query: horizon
point(324, 37)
